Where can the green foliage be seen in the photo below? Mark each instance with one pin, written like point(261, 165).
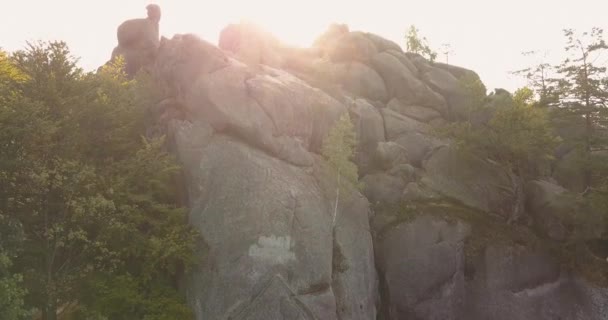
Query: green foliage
point(93, 197)
point(418, 44)
point(518, 135)
point(583, 93)
point(339, 149)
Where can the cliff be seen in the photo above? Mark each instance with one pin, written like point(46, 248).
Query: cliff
point(435, 234)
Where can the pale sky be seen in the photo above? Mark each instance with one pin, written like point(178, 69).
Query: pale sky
point(487, 36)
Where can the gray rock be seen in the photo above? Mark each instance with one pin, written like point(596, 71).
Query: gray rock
point(267, 247)
point(397, 124)
point(457, 72)
point(414, 136)
point(403, 84)
point(353, 46)
point(251, 44)
point(266, 107)
point(369, 127)
point(381, 188)
point(361, 80)
point(295, 108)
point(383, 44)
point(403, 58)
point(568, 171)
point(138, 41)
point(182, 59)
point(559, 215)
point(389, 154)
point(474, 182)
point(418, 192)
point(517, 283)
point(415, 112)
point(452, 89)
point(406, 172)
point(354, 279)
point(422, 266)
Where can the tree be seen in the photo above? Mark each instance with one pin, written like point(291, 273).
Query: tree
point(12, 292)
point(93, 197)
point(339, 149)
point(583, 93)
point(539, 77)
point(417, 44)
point(518, 136)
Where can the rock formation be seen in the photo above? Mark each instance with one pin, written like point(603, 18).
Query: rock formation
point(138, 40)
point(253, 117)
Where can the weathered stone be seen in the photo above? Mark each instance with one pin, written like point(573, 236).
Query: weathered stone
point(403, 84)
point(361, 81)
point(452, 89)
point(296, 109)
point(182, 59)
point(138, 41)
point(417, 192)
point(397, 124)
point(353, 46)
point(382, 188)
point(280, 256)
point(413, 136)
point(251, 44)
point(569, 172)
point(474, 182)
point(415, 112)
point(559, 215)
point(354, 279)
point(406, 172)
point(369, 127)
point(517, 283)
point(390, 154)
point(421, 264)
point(403, 58)
point(383, 44)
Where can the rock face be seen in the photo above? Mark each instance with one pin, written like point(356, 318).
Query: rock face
point(138, 40)
point(253, 114)
point(281, 254)
point(515, 283)
point(422, 264)
point(273, 251)
point(559, 215)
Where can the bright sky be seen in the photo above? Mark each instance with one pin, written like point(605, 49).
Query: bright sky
point(487, 36)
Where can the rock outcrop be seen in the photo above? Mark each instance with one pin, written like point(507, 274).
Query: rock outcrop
point(253, 116)
point(138, 41)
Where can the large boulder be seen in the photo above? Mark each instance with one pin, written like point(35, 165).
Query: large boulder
point(450, 87)
point(381, 188)
point(270, 250)
point(413, 136)
point(474, 182)
point(421, 264)
point(352, 46)
point(369, 127)
point(390, 154)
point(423, 114)
point(251, 44)
point(515, 283)
point(265, 107)
point(361, 81)
point(569, 172)
point(383, 44)
point(138, 41)
point(558, 213)
point(403, 84)
point(405, 60)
